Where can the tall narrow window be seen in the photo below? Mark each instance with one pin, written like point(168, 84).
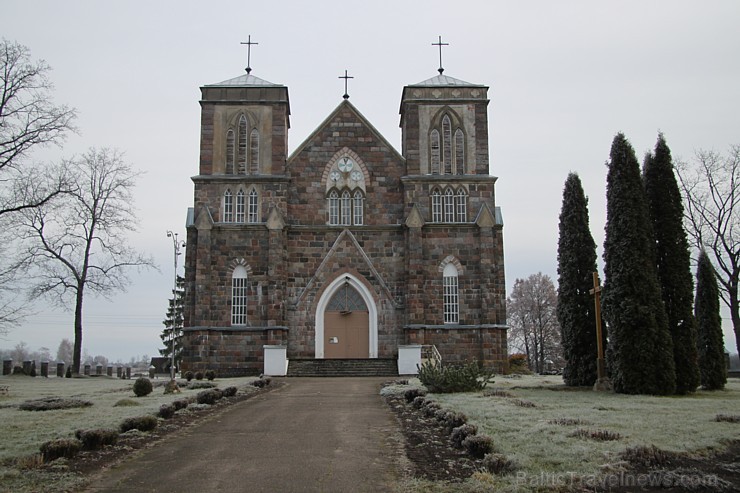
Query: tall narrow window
point(333, 207)
point(449, 205)
point(242, 145)
point(462, 206)
point(346, 208)
point(254, 152)
point(239, 207)
point(447, 145)
point(434, 139)
point(228, 207)
point(230, 152)
point(459, 152)
point(358, 208)
point(253, 209)
point(450, 295)
point(436, 206)
point(239, 296)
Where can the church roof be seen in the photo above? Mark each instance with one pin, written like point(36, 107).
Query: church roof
point(443, 81)
point(244, 80)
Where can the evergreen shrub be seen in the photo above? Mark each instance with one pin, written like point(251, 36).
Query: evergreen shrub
point(229, 391)
point(462, 432)
point(499, 464)
point(441, 378)
point(478, 445)
point(209, 396)
point(419, 402)
point(412, 394)
point(96, 439)
point(189, 375)
point(199, 375)
point(166, 411)
point(210, 375)
point(142, 387)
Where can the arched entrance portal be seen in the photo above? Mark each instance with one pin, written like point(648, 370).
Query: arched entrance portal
point(346, 321)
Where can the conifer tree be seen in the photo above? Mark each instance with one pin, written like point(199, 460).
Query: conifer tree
point(640, 344)
point(173, 322)
point(673, 262)
point(710, 340)
point(576, 264)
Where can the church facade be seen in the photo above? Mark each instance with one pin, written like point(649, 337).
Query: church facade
point(345, 248)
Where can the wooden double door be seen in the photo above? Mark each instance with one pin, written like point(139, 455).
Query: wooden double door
point(346, 325)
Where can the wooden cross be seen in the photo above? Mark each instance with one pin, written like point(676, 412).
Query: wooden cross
point(345, 77)
point(249, 44)
point(440, 44)
point(596, 291)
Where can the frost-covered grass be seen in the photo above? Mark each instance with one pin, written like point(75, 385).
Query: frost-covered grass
point(23, 432)
point(542, 442)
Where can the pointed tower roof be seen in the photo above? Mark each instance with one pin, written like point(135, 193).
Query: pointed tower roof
point(444, 81)
point(244, 80)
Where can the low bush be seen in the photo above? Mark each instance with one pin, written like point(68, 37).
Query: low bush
point(430, 408)
point(141, 423)
point(412, 394)
point(568, 421)
point(166, 411)
point(142, 387)
point(441, 378)
point(53, 403)
point(199, 375)
point(208, 396)
point(499, 464)
point(262, 382)
point(518, 364)
point(454, 419)
point(68, 373)
point(126, 403)
point(497, 393)
point(63, 447)
point(478, 445)
point(648, 456)
point(419, 402)
point(188, 375)
point(523, 403)
point(728, 418)
point(210, 375)
point(180, 404)
point(462, 432)
point(229, 391)
point(600, 435)
point(96, 439)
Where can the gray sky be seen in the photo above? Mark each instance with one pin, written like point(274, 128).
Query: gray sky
point(564, 78)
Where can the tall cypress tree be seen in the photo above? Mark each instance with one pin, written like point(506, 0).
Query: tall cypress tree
point(640, 343)
point(710, 340)
point(673, 262)
point(576, 264)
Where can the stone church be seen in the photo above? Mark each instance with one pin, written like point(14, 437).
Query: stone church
point(344, 248)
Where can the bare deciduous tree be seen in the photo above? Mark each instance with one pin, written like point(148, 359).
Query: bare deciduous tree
point(711, 189)
point(532, 313)
point(77, 243)
point(29, 119)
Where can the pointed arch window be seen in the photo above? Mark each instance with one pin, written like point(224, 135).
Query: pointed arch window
point(240, 206)
point(346, 208)
point(230, 152)
point(447, 144)
point(451, 304)
point(459, 152)
point(242, 145)
point(436, 206)
point(333, 207)
point(228, 206)
point(434, 140)
point(449, 206)
point(253, 207)
point(254, 152)
point(358, 208)
point(461, 206)
point(239, 293)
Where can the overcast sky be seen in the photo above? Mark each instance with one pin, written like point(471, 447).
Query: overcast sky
point(564, 78)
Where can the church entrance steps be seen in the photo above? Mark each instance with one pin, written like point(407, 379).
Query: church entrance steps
point(343, 368)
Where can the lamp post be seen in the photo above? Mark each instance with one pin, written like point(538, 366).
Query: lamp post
point(177, 245)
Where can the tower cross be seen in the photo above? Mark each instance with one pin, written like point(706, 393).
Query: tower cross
point(345, 77)
point(249, 44)
point(440, 44)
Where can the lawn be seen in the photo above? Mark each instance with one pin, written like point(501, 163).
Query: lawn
point(533, 420)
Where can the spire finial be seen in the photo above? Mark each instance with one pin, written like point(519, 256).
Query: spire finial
point(345, 77)
point(249, 44)
point(440, 44)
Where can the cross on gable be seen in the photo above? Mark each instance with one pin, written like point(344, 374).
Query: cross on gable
point(440, 44)
point(249, 44)
point(345, 77)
